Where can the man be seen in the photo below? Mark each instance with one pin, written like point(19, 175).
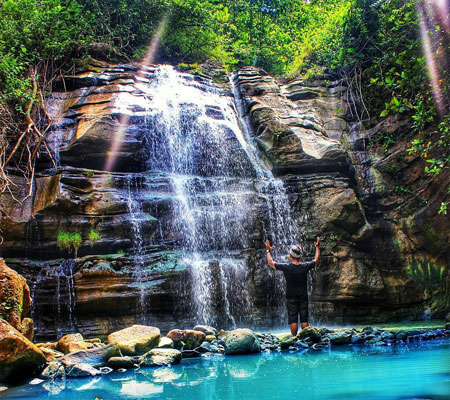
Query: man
point(296, 274)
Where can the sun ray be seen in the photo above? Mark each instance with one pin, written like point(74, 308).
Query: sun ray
point(124, 119)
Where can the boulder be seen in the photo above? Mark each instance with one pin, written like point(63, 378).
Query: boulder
point(176, 335)
point(27, 328)
point(165, 342)
point(340, 338)
point(81, 370)
point(387, 335)
point(97, 356)
point(54, 369)
point(210, 338)
point(310, 332)
point(447, 317)
point(126, 362)
point(135, 340)
point(356, 339)
point(65, 341)
point(19, 358)
point(160, 357)
point(15, 300)
point(192, 339)
point(188, 339)
point(77, 346)
point(207, 330)
point(50, 354)
point(288, 341)
point(241, 341)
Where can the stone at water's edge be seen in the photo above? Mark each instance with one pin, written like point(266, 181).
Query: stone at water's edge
point(160, 357)
point(136, 339)
point(97, 357)
point(165, 342)
point(19, 358)
point(340, 338)
point(288, 341)
point(241, 341)
point(66, 343)
point(187, 339)
point(123, 362)
point(310, 332)
point(192, 339)
point(15, 300)
point(207, 330)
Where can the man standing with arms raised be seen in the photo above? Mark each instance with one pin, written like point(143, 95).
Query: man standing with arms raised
point(296, 274)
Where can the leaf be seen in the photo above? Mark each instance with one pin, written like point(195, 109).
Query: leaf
point(384, 113)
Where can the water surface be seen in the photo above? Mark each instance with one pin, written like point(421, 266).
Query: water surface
point(415, 371)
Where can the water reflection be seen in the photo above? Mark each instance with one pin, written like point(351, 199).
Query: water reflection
point(351, 372)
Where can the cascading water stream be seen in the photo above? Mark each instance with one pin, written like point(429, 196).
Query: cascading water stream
point(137, 216)
point(222, 192)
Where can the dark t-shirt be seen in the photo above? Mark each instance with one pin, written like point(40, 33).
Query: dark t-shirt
point(296, 277)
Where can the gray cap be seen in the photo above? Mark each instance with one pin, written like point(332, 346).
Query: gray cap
point(296, 251)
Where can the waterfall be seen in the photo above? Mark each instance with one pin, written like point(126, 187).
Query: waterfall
point(62, 290)
point(221, 193)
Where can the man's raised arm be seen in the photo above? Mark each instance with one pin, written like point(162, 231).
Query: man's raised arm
point(317, 257)
point(269, 248)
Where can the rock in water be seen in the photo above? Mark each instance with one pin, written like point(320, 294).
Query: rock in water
point(70, 343)
point(165, 342)
point(241, 341)
point(288, 341)
point(310, 332)
point(123, 362)
point(160, 357)
point(15, 300)
point(207, 330)
point(19, 358)
point(135, 340)
point(340, 338)
point(97, 357)
point(188, 339)
point(192, 339)
point(82, 370)
point(54, 369)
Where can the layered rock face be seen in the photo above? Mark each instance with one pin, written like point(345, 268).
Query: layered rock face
point(182, 198)
point(386, 254)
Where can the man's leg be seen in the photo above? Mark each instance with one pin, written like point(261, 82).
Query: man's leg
point(292, 310)
point(304, 315)
point(294, 328)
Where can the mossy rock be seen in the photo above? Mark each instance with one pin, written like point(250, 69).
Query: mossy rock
point(310, 332)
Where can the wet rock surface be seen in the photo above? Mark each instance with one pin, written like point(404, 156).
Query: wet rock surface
point(241, 341)
point(375, 256)
point(15, 300)
point(19, 358)
point(135, 340)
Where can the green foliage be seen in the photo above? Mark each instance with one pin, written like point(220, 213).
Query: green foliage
point(31, 33)
point(93, 236)
point(69, 241)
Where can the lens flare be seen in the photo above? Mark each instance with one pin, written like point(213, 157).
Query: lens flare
point(124, 119)
point(434, 22)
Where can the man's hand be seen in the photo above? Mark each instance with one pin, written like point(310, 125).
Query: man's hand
point(317, 243)
point(269, 256)
point(268, 246)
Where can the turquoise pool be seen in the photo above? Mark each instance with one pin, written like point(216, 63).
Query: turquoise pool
point(415, 371)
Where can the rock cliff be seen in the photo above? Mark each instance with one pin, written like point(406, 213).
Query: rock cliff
point(380, 261)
